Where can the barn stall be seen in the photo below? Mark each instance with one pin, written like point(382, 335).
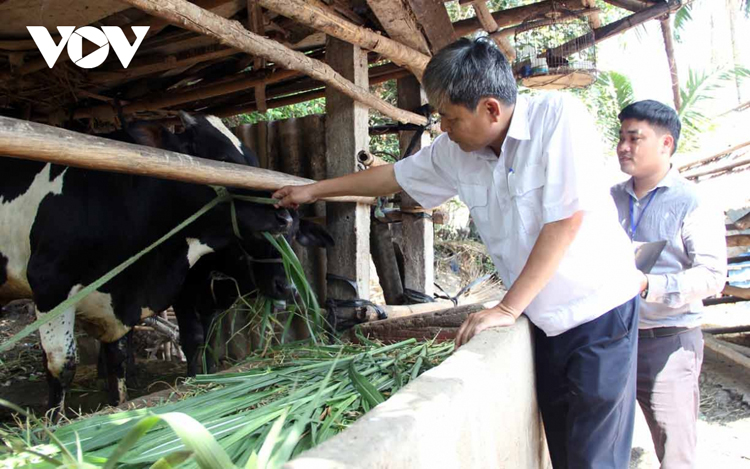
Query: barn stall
point(230, 57)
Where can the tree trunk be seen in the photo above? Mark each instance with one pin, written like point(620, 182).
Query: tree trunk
point(666, 31)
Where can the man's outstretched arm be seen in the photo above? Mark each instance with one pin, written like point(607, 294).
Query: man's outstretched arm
point(373, 182)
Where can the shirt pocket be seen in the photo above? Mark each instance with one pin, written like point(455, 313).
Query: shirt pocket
point(475, 196)
point(525, 187)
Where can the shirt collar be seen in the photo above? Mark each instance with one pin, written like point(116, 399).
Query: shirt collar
point(667, 181)
point(519, 122)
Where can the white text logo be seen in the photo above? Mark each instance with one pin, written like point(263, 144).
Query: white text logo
point(103, 38)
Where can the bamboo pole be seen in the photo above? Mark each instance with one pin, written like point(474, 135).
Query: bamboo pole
point(712, 158)
point(719, 169)
point(726, 330)
point(326, 21)
point(233, 34)
point(39, 142)
point(632, 5)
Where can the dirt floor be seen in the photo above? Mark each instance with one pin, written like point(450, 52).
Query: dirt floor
point(23, 382)
point(724, 422)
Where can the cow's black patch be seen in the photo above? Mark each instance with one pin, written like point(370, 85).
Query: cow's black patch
point(23, 173)
point(56, 170)
point(3, 269)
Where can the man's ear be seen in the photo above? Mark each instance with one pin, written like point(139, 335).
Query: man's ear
point(493, 107)
point(668, 143)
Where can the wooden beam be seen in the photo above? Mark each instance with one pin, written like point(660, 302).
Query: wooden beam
point(734, 241)
point(726, 330)
point(712, 158)
point(433, 18)
point(234, 35)
point(632, 5)
point(615, 28)
point(148, 65)
point(490, 25)
point(305, 91)
point(739, 292)
point(400, 24)
point(718, 169)
point(39, 142)
point(175, 99)
point(418, 237)
point(512, 16)
point(735, 357)
point(346, 136)
point(255, 23)
point(325, 20)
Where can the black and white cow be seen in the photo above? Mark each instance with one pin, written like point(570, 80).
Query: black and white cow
point(61, 228)
point(218, 279)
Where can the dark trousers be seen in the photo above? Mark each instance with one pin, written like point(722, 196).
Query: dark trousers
point(586, 383)
point(669, 395)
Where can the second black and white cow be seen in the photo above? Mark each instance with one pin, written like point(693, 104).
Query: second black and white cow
point(219, 278)
point(61, 228)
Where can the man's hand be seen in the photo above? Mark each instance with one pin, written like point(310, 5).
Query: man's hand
point(499, 316)
point(293, 196)
point(644, 282)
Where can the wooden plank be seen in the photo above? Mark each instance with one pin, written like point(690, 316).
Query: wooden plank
point(442, 325)
point(346, 136)
point(323, 19)
point(235, 35)
point(490, 25)
point(17, 14)
point(418, 243)
point(39, 142)
point(734, 241)
point(433, 18)
point(738, 292)
point(735, 357)
point(399, 22)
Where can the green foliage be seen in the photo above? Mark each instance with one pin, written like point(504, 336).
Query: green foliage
point(681, 19)
point(610, 93)
point(316, 106)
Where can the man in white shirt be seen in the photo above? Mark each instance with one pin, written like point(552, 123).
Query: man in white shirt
point(656, 204)
point(526, 169)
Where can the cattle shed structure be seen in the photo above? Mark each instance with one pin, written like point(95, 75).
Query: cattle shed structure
point(229, 57)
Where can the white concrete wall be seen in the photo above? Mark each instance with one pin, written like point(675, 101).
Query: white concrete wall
point(476, 410)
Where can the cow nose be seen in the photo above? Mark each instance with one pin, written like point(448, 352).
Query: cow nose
point(284, 218)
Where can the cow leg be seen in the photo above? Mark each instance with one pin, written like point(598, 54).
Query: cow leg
point(208, 322)
point(191, 337)
point(131, 374)
point(59, 345)
point(116, 355)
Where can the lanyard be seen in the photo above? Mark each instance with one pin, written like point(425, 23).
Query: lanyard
point(634, 224)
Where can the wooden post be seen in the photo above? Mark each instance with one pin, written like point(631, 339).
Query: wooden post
point(346, 135)
point(666, 31)
point(418, 239)
point(384, 258)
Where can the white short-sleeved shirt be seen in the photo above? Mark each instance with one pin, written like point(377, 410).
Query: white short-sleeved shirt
point(550, 167)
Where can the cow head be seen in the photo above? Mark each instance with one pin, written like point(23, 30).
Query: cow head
point(207, 137)
point(265, 261)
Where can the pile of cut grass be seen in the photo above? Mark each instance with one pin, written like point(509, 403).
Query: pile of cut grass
point(295, 397)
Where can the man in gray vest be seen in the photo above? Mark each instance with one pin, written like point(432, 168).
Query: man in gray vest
point(655, 204)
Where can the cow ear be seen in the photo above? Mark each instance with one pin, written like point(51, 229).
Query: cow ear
point(312, 234)
point(146, 134)
point(187, 120)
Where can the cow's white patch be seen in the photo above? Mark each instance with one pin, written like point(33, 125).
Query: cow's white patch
point(97, 316)
point(16, 219)
point(58, 341)
point(216, 122)
point(196, 250)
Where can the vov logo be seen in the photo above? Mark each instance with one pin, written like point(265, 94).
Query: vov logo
point(108, 35)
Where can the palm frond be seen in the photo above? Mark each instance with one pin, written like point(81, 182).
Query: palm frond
point(681, 19)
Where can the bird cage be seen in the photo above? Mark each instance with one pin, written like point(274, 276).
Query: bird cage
point(556, 50)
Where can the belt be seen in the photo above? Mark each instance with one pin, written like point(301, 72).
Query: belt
point(661, 332)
